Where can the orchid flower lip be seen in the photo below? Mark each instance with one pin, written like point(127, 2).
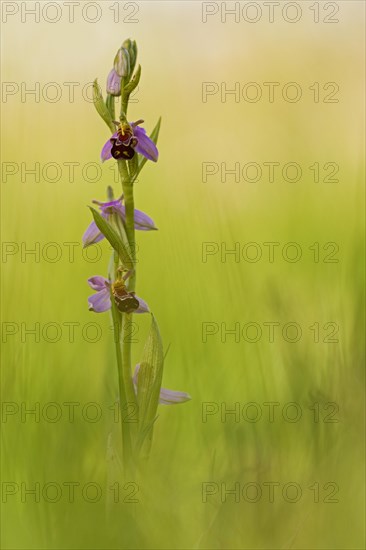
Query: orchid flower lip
point(136, 141)
point(104, 290)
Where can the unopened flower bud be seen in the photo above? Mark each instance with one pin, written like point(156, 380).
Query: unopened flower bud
point(127, 44)
point(131, 47)
point(122, 62)
point(114, 83)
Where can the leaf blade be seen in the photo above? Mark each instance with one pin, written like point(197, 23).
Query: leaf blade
point(149, 381)
point(113, 238)
point(101, 107)
point(154, 136)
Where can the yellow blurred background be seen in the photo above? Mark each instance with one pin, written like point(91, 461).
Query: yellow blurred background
point(180, 54)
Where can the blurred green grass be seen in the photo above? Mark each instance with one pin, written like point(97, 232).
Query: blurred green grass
point(184, 292)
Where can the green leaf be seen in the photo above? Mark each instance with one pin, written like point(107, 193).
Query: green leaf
point(131, 47)
point(101, 107)
point(155, 133)
point(110, 104)
point(133, 166)
point(133, 83)
point(149, 382)
point(154, 136)
point(114, 239)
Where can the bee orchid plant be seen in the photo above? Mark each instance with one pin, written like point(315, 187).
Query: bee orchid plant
point(116, 221)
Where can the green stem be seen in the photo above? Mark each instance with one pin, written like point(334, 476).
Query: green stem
point(125, 428)
point(125, 323)
point(124, 97)
point(111, 105)
point(126, 359)
point(124, 105)
point(127, 355)
point(127, 187)
point(125, 383)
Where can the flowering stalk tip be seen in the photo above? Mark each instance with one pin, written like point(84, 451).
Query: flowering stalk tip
point(116, 220)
